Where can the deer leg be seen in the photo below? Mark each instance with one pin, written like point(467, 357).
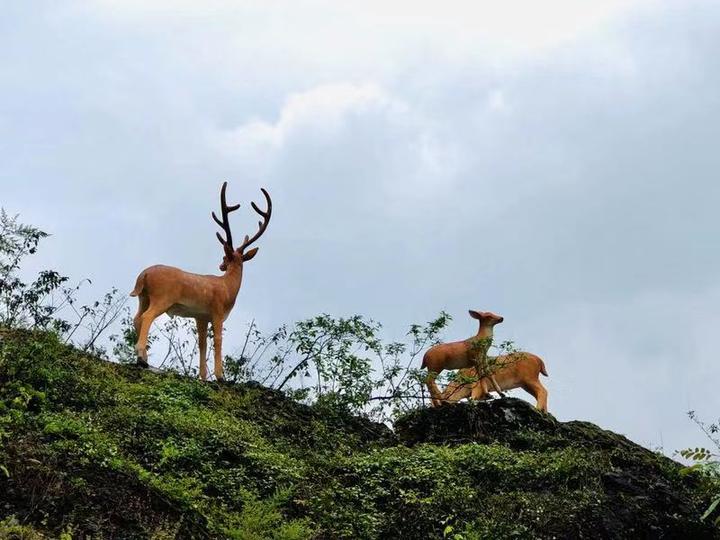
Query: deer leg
point(146, 319)
point(482, 368)
point(479, 390)
point(202, 330)
point(435, 395)
point(496, 386)
point(217, 348)
point(539, 392)
point(143, 304)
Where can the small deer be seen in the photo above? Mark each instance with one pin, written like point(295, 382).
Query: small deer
point(208, 299)
point(471, 352)
point(514, 370)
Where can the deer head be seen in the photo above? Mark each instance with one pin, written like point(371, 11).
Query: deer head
point(236, 257)
point(486, 318)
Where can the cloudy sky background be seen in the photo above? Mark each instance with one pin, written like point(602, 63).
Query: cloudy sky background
point(553, 162)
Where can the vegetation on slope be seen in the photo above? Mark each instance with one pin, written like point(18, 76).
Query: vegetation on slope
point(91, 448)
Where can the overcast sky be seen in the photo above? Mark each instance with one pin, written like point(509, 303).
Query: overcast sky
point(554, 162)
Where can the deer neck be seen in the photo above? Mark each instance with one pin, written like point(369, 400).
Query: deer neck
point(233, 279)
point(481, 342)
point(484, 332)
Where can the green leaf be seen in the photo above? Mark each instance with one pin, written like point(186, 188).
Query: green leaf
point(710, 509)
point(690, 468)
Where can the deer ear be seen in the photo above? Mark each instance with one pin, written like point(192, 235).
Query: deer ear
point(250, 254)
point(475, 314)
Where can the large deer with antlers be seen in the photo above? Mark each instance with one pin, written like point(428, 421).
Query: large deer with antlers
point(208, 299)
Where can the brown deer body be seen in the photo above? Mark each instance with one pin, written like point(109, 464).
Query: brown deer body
point(470, 352)
point(514, 370)
point(208, 299)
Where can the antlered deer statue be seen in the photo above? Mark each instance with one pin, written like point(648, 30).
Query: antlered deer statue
point(208, 299)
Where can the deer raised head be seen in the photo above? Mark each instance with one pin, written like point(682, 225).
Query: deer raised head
point(208, 299)
point(469, 353)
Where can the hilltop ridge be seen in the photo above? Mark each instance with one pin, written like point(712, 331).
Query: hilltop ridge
point(101, 450)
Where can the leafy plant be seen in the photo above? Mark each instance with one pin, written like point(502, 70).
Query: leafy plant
point(26, 305)
point(706, 461)
point(47, 303)
point(95, 319)
point(343, 363)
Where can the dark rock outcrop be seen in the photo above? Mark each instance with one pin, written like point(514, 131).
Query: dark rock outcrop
point(646, 495)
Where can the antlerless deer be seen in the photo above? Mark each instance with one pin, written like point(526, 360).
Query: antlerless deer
point(208, 299)
point(471, 352)
point(514, 370)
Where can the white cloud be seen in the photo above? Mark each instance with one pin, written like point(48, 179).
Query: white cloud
point(322, 110)
point(515, 25)
point(393, 142)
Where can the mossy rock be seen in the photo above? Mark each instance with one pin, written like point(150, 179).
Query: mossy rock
point(507, 420)
point(644, 494)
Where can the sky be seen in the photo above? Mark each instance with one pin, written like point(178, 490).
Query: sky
point(552, 162)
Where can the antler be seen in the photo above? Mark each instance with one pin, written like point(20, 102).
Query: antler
point(225, 223)
point(262, 225)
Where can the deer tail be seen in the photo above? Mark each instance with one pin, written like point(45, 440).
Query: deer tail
point(425, 359)
point(139, 285)
point(542, 367)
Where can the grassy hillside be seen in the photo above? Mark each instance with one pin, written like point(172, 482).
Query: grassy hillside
point(89, 448)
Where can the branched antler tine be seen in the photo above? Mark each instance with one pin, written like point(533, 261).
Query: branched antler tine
point(262, 224)
point(255, 207)
point(216, 219)
point(225, 223)
point(222, 194)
